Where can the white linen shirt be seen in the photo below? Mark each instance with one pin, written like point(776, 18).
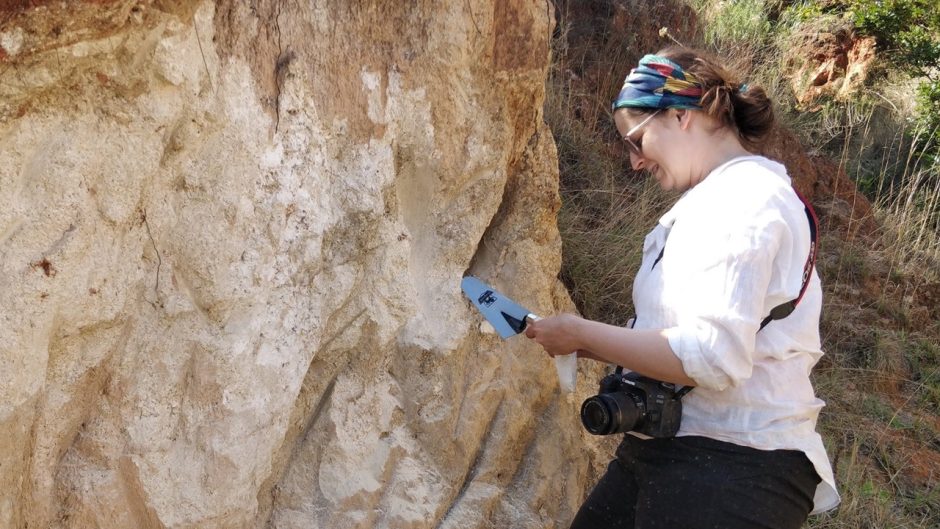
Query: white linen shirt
point(735, 247)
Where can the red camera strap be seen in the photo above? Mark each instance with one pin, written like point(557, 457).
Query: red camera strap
point(785, 309)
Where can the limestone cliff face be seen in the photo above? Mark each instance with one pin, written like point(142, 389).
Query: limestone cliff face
point(231, 240)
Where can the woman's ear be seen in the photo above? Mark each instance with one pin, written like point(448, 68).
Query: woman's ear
point(684, 117)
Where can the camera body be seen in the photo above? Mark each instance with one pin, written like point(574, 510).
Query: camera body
point(630, 402)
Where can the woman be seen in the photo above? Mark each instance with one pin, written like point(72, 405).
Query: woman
point(733, 247)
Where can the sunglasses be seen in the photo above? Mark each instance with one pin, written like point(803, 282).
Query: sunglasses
point(637, 146)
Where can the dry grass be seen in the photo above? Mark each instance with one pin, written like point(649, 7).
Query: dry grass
point(603, 230)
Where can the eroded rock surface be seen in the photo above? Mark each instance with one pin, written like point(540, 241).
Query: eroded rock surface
point(833, 63)
point(231, 240)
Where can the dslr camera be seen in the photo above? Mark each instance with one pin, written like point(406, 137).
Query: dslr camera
point(629, 402)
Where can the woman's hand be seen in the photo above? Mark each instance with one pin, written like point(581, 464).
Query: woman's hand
point(559, 335)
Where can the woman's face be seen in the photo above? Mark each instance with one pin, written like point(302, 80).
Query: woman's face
point(659, 139)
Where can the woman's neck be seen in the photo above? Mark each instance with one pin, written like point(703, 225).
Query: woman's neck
point(717, 152)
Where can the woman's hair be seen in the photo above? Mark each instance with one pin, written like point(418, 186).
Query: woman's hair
point(746, 109)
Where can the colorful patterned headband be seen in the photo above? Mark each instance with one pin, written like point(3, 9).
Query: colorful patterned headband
point(659, 83)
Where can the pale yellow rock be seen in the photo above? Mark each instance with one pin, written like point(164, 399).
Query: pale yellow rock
point(231, 241)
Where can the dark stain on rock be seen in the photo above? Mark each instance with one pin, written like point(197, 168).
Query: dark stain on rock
point(46, 267)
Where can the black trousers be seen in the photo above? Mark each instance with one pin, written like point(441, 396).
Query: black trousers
point(700, 483)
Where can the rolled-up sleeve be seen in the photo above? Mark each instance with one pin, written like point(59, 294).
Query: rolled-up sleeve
point(718, 270)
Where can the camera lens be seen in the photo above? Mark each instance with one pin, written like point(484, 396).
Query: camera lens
point(609, 413)
point(595, 416)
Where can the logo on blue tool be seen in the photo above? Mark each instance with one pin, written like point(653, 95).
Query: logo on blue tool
point(487, 298)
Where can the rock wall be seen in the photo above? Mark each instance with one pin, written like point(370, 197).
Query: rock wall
point(231, 240)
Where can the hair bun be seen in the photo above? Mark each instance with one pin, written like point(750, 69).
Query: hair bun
point(744, 108)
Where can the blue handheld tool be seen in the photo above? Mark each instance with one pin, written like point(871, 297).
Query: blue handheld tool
point(505, 315)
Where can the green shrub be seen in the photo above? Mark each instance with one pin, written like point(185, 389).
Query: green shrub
point(908, 31)
point(910, 28)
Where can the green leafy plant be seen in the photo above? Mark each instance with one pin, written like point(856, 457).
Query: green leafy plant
point(908, 27)
point(908, 31)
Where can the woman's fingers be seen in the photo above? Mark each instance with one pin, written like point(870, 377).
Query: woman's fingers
point(553, 334)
